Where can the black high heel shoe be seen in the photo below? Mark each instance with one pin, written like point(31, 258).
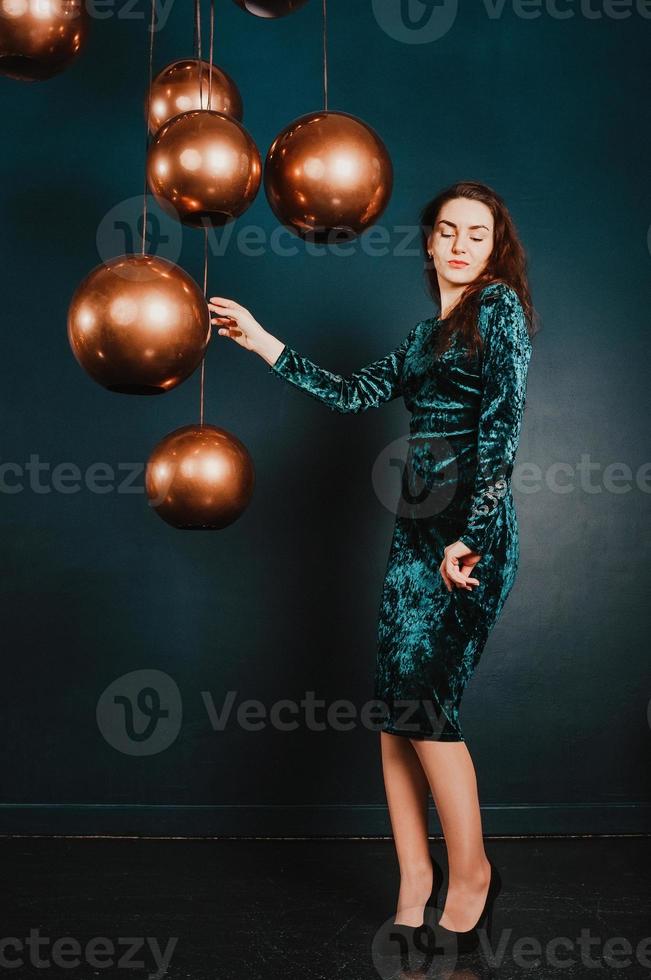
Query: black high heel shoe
point(404, 934)
point(466, 942)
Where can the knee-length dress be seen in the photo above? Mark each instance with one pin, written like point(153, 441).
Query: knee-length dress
point(466, 416)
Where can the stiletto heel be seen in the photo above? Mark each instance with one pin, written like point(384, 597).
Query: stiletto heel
point(489, 922)
point(447, 940)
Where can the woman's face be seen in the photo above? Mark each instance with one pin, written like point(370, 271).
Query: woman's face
point(461, 241)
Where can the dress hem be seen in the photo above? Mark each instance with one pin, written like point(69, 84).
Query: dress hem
point(421, 737)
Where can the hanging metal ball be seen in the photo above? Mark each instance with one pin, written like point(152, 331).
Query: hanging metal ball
point(200, 477)
point(138, 325)
point(270, 8)
point(328, 176)
point(39, 38)
point(185, 85)
point(204, 168)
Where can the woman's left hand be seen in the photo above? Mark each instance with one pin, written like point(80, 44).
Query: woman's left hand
point(457, 565)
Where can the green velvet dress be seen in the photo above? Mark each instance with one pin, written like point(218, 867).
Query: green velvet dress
point(466, 415)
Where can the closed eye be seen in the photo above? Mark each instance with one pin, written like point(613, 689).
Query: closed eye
point(471, 238)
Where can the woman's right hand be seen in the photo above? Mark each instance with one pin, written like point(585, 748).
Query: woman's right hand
point(236, 322)
point(240, 325)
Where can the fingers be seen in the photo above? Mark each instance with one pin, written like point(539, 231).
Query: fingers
point(454, 576)
point(224, 311)
point(453, 573)
point(218, 303)
point(466, 571)
point(232, 331)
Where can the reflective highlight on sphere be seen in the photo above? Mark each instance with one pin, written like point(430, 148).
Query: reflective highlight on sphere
point(39, 38)
point(200, 477)
point(183, 86)
point(138, 325)
point(270, 8)
point(204, 168)
point(328, 176)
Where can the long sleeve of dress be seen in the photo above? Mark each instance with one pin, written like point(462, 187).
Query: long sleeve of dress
point(367, 388)
point(505, 362)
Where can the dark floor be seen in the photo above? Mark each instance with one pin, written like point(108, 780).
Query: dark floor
point(247, 909)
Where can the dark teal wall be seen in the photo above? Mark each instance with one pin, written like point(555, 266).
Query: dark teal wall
point(553, 113)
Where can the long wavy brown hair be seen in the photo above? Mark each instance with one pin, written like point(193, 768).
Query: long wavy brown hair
point(507, 264)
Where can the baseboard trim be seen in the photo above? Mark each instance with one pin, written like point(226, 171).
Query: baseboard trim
point(327, 820)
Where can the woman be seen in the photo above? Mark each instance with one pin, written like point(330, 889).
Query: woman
point(453, 556)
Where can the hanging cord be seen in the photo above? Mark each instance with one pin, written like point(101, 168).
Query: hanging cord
point(205, 227)
point(205, 293)
point(212, 46)
point(149, 84)
point(325, 56)
point(197, 43)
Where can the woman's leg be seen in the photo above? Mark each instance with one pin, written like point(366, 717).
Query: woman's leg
point(407, 792)
point(453, 782)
